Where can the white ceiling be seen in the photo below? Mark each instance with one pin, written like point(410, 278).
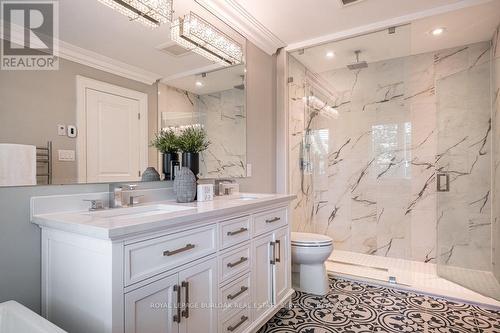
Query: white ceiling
point(95, 27)
point(462, 27)
point(298, 20)
point(90, 25)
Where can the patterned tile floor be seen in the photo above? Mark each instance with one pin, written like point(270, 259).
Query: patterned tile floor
point(356, 307)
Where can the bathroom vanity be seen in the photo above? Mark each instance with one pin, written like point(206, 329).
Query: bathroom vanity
point(205, 267)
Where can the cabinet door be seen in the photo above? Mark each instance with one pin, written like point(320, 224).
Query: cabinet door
point(262, 274)
point(151, 309)
point(282, 267)
point(199, 295)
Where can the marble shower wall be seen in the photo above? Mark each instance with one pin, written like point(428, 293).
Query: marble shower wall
point(496, 147)
point(366, 176)
point(223, 116)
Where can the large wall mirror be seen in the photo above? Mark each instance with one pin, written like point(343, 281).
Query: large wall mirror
point(214, 101)
point(92, 120)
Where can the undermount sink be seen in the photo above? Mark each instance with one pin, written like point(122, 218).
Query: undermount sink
point(141, 211)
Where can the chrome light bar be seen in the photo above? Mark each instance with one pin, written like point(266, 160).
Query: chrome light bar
point(194, 33)
point(151, 13)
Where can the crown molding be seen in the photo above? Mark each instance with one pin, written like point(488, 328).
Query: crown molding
point(405, 19)
point(89, 58)
point(98, 61)
point(241, 20)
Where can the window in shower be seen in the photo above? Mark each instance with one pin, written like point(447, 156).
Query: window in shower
point(392, 150)
point(319, 145)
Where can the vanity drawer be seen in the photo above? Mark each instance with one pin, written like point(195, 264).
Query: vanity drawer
point(234, 262)
point(234, 232)
point(235, 295)
point(270, 220)
point(154, 256)
point(237, 322)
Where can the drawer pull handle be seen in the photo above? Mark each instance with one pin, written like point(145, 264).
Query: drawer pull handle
point(277, 256)
point(242, 320)
point(276, 219)
point(233, 264)
point(242, 290)
point(185, 312)
point(182, 249)
point(177, 317)
point(232, 233)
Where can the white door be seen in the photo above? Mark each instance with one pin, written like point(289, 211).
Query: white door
point(151, 309)
point(262, 274)
point(112, 132)
point(199, 290)
point(282, 267)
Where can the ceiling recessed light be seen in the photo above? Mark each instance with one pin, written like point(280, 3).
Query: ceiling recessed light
point(199, 84)
point(330, 54)
point(437, 31)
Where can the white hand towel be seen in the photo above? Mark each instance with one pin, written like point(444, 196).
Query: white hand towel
point(17, 164)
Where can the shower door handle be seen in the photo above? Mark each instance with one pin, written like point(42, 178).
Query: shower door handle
point(443, 182)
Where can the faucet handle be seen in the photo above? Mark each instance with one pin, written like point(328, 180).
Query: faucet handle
point(95, 204)
point(132, 199)
point(130, 187)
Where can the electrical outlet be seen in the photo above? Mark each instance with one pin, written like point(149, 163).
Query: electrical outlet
point(61, 130)
point(249, 170)
point(66, 155)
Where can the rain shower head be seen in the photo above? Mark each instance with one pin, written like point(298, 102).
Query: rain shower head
point(358, 64)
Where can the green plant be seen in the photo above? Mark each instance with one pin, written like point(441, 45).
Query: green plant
point(166, 141)
point(193, 139)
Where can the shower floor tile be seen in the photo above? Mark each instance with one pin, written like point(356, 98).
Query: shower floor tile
point(415, 276)
point(358, 307)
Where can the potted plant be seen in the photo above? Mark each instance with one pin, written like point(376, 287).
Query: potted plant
point(167, 142)
point(192, 141)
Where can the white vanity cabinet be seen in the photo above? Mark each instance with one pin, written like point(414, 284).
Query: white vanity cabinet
point(271, 269)
point(229, 273)
point(162, 305)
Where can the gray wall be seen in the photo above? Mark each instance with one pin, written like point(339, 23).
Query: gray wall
point(20, 240)
point(261, 121)
point(33, 103)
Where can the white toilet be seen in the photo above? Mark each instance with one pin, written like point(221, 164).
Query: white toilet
point(309, 253)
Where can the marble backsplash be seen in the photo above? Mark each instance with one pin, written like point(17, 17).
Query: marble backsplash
point(364, 163)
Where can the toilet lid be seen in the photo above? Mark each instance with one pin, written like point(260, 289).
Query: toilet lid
point(303, 238)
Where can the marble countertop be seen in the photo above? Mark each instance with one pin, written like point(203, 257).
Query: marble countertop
point(97, 225)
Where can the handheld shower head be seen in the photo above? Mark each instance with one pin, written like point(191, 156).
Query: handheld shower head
point(358, 64)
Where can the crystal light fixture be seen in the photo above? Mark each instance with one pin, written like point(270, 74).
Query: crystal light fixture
point(151, 13)
point(195, 34)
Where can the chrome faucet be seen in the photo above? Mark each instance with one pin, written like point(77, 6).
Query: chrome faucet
point(95, 204)
point(116, 197)
point(225, 186)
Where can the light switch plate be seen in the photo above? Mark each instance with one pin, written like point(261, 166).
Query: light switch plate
point(66, 155)
point(71, 131)
point(249, 170)
point(61, 130)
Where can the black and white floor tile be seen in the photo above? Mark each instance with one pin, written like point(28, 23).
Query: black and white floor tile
point(356, 307)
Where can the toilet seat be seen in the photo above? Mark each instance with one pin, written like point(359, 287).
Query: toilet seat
point(303, 239)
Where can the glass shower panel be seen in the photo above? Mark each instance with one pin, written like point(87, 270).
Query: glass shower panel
point(463, 179)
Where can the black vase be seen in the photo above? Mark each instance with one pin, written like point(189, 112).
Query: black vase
point(192, 162)
point(170, 162)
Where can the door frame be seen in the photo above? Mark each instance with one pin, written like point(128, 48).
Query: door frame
point(82, 85)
